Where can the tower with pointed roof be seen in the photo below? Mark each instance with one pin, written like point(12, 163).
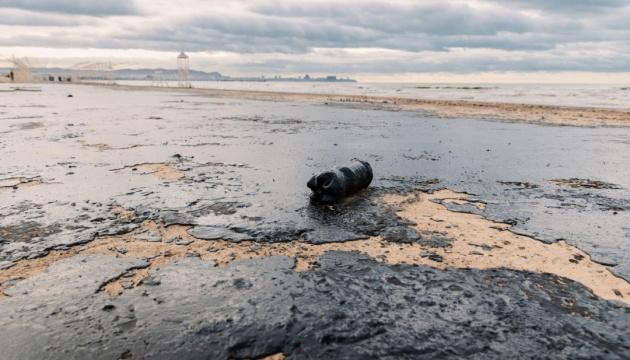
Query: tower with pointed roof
point(183, 70)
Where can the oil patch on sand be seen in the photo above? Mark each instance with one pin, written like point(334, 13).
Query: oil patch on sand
point(474, 242)
point(19, 182)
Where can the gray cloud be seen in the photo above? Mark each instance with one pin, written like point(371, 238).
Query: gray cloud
point(27, 18)
point(438, 18)
point(297, 27)
point(82, 7)
point(491, 35)
point(567, 5)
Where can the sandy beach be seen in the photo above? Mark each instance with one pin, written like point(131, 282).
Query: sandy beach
point(183, 215)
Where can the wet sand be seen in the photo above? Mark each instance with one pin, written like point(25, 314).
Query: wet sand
point(527, 113)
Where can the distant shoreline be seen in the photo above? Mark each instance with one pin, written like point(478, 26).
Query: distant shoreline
point(497, 111)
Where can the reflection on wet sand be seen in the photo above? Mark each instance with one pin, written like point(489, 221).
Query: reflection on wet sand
point(165, 172)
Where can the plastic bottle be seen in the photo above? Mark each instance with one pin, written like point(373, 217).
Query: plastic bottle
point(331, 186)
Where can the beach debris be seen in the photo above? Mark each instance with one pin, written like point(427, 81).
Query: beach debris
point(333, 185)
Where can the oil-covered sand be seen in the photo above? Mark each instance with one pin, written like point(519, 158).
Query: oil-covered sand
point(162, 224)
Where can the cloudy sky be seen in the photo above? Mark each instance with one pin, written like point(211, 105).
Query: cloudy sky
point(371, 39)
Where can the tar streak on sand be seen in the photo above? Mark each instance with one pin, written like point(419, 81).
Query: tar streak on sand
point(17, 183)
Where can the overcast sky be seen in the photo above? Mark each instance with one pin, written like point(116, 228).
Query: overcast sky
point(375, 39)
